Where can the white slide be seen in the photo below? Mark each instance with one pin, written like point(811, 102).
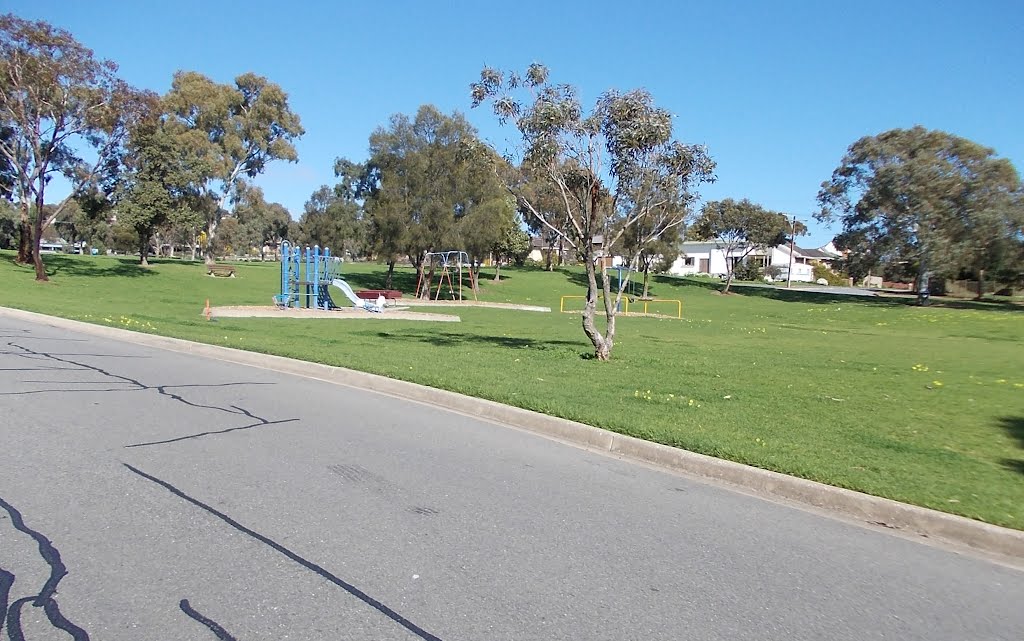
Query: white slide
point(356, 301)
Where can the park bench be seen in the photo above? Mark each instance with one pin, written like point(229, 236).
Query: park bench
point(223, 271)
point(373, 294)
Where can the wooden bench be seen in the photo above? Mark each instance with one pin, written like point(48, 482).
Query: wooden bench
point(373, 294)
point(223, 271)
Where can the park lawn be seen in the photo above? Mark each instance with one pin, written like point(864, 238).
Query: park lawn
point(923, 405)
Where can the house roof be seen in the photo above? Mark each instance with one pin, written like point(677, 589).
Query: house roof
point(814, 253)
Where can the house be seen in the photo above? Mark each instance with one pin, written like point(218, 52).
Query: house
point(707, 257)
point(539, 251)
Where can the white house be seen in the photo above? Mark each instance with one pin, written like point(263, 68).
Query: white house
point(707, 257)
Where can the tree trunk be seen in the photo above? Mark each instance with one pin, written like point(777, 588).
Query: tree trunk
point(390, 274)
point(24, 242)
point(420, 276)
point(923, 285)
point(728, 282)
point(497, 272)
point(428, 279)
point(37, 239)
point(602, 342)
point(981, 284)
point(647, 278)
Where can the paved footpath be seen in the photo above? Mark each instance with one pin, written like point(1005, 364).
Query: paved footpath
point(146, 494)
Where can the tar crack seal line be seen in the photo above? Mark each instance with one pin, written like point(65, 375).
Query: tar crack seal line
point(309, 565)
point(163, 390)
point(216, 628)
point(45, 599)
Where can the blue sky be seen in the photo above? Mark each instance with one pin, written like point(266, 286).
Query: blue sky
point(777, 91)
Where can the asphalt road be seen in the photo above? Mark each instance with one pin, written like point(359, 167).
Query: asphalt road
point(154, 495)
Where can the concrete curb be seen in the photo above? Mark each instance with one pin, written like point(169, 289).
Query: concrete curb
point(938, 526)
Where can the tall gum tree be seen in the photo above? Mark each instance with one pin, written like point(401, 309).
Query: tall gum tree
point(57, 101)
point(610, 168)
point(239, 129)
point(927, 198)
point(419, 184)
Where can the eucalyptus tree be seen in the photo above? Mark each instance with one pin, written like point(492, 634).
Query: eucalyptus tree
point(57, 101)
point(739, 228)
point(610, 168)
point(238, 129)
point(927, 198)
point(332, 217)
point(261, 224)
point(419, 184)
point(162, 177)
point(542, 196)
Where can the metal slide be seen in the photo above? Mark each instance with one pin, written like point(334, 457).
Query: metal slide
point(351, 295)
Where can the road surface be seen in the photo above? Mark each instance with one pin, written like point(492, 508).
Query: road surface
point(153, 495)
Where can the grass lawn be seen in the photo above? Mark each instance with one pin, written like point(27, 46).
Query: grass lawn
point(923, 405)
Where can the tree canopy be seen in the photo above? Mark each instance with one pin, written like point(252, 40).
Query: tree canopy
point(237, 130)
point(925, 200)
point(739, 228)
point(57, 100)
point(609, 169)
point(424, 193)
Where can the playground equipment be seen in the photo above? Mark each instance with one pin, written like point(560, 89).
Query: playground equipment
point(306, 274)
point(626, 302)
point(373, 306)
point(631, 284)
point(450, 262)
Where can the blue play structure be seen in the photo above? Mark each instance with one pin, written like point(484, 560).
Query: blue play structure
point(306, 274)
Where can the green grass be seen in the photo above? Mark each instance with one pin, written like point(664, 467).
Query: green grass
point(828, 388)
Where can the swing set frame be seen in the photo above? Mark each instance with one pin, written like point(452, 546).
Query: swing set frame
point(451, 262)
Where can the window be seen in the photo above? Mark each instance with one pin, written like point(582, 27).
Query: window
point(688, 261)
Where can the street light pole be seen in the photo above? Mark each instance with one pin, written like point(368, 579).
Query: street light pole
point(792, 247)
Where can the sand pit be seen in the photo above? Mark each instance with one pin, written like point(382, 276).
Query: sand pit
point(346, 313)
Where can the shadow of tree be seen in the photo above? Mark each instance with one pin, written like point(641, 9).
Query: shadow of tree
point(1014, 426)
point(799, 295)
point(453, 339)
point(405, 280)
point(57, 265)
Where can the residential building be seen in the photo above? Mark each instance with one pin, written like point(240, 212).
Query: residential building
point(708, 257)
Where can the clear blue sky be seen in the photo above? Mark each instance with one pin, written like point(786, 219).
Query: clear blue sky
point(777, 91)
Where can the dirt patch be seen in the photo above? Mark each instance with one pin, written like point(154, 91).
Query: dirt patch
point(345, 313)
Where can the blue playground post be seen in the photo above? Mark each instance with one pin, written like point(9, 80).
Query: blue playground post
point(306, 273)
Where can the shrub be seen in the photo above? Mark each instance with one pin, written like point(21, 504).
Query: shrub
point(822, 271)
point(746, 271)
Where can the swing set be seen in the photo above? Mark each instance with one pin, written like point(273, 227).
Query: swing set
point(452, 263)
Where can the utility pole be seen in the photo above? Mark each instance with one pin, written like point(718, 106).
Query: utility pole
point(792, 248)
